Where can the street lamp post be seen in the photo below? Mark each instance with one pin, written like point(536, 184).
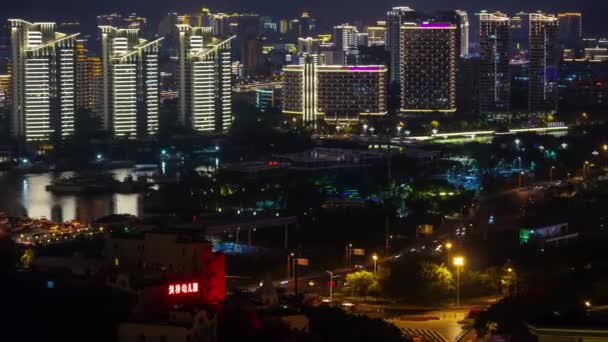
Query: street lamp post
point(375, 257)
point(551, 173)
point(521, 173)
point(289, 256)
point(349, 253)
point(458, 262)
point(331, 283)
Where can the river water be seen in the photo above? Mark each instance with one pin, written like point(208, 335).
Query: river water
point(26, 195)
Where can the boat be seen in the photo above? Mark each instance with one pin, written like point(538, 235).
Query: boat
point(149, 170)
point(82, 184)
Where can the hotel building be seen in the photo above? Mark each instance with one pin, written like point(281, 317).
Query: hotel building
point(43, 81)
point(428, 68)
point(494, 74)
point(131, 83)
point(334, 92)
point(205, 80)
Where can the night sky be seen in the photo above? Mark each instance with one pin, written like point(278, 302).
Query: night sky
point(594, 11)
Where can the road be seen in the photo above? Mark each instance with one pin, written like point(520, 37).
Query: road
point(447, 325)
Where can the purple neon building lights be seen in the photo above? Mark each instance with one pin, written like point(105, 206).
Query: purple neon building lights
point(435, 25)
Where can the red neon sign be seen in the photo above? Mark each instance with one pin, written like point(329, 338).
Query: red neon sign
point(175, 289)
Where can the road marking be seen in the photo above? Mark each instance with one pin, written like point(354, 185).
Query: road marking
point(427, 335)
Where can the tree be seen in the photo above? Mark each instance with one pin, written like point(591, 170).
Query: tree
point(362, 283)
point(438, 278)
point(27, 259)
point(417, 281)
point(333, 324)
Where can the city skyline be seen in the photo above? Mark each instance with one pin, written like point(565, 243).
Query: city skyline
point(330, 12)
point(304, 171)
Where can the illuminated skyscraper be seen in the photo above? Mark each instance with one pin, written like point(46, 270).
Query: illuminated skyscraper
point(335, 93)
point(131, 83)
point(309, 45)
point(394, 19)
point(265, 99)
point(570, 29)
point(205, 80)
point(376, 35)
point(43, 81)
point(494, 75)
point(428, 68)
point(463, 32)
point(112, 19)
point(345, 37)
point(223, 24)
point(520, 35)
point(283, 26)
point(205, 18)
point(89, 79)
point(544, 63)
point(307, 24)
point(6, 92)
point(250, 45)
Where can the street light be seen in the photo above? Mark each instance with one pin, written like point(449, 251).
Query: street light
point(517, 141)
point(448, 247)
point(585, 167)
point(375, 257)
point(551, 173)
point(458, 262)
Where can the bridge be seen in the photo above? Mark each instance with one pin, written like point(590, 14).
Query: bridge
point(474, 134)
point(249, 224)
point(384, 139)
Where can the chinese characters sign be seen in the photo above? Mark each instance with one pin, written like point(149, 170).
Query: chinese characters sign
point(175, 289)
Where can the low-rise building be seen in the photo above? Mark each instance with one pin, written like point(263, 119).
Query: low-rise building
point(157, 261)
point(179, 326)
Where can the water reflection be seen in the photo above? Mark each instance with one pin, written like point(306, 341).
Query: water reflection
point(27, 195)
